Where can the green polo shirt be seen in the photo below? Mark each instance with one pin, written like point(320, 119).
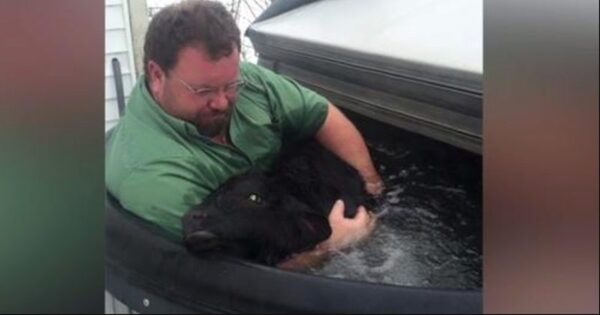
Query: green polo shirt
point(159, 166)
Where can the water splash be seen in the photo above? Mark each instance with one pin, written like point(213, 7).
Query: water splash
point(429, 227)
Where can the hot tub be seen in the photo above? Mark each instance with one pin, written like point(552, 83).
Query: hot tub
point(151, 272)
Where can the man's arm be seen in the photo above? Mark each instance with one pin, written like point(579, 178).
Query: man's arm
point(341, 137)
point(344, 232)
point(304, 113)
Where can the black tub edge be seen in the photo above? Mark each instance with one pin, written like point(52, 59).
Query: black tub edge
point(141, 262)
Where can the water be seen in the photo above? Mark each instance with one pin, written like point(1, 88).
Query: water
point(429, 230)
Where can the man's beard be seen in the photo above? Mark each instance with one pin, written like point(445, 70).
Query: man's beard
point(208, 124)
point(215, 125)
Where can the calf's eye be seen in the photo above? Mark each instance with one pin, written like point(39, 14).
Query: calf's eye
point(255, 198)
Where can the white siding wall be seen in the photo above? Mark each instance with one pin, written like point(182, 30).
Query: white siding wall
point(118, 44)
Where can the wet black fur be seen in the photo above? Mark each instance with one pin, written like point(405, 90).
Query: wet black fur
point(289, 210)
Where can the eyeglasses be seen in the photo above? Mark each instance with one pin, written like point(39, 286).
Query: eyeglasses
point(208, 93)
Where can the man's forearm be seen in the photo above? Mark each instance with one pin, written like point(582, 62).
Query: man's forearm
point(305, 260)
point(341, 137)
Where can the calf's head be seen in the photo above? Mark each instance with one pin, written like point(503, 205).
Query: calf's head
point(253, 217)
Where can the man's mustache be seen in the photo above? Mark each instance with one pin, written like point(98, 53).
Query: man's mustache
point(213, 125)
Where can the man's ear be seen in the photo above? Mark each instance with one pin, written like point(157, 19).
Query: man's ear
point(156, 79)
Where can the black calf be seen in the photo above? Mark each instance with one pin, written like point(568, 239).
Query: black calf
point(265, 217)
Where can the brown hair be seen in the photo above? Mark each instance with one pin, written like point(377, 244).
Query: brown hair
point(189, 23)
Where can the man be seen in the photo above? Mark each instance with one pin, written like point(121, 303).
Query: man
point(198, 117)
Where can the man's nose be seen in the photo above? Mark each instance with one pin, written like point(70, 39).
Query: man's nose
point(219, 102)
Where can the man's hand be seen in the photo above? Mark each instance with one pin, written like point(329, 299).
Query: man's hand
point(344, 232)
point(374, 185)
point(347, 231)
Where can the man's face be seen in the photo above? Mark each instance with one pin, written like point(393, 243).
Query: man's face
point(199, 90)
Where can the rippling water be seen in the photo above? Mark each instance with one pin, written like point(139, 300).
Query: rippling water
point(429, 231)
